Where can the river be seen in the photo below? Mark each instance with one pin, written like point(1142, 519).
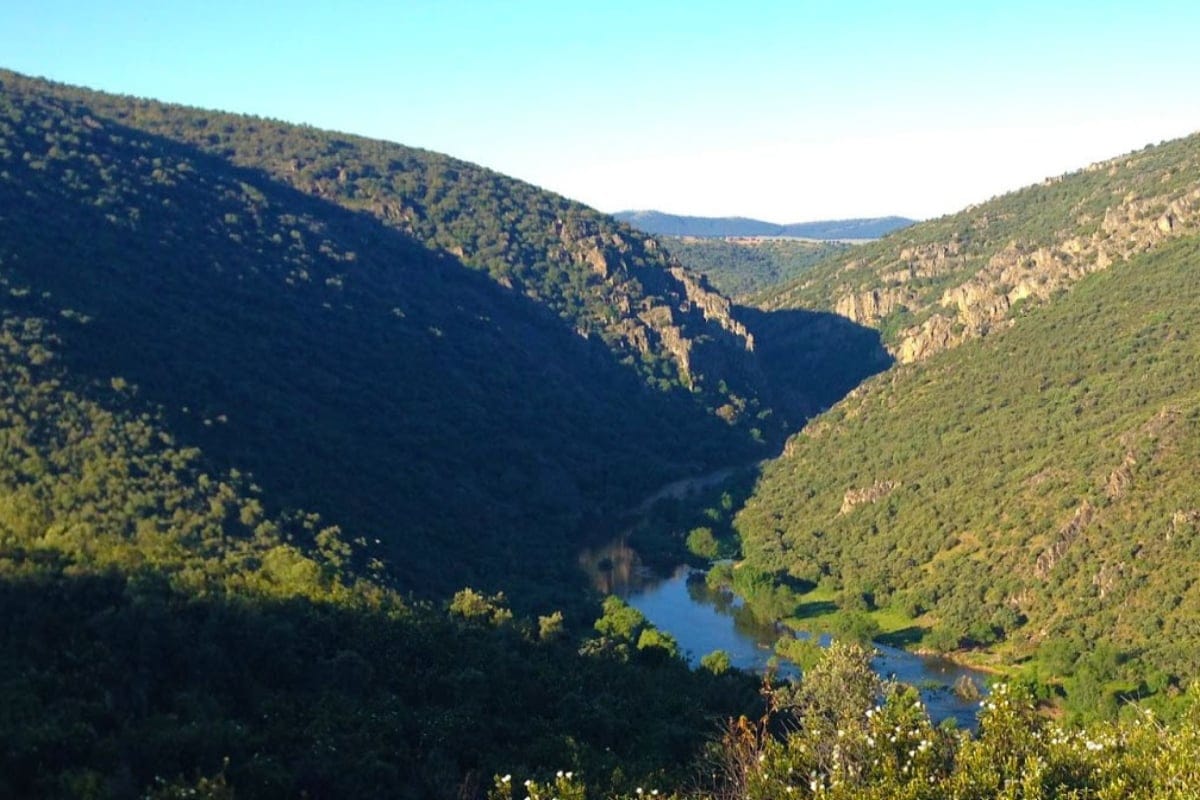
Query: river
point(702, 620)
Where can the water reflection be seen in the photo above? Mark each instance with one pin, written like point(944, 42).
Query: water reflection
point(616, 569)
point(703, 620)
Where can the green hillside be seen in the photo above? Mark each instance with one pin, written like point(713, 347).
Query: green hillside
point(602, 280)
point(936, 284)
point(162, 634)
point(1033, 491)
point(461, 369)
point(241, 427)
point(741, 267)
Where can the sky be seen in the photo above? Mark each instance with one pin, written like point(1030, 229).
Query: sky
point(783, 111)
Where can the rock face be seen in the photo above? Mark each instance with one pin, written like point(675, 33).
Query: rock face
point(871, 494)
point(868, 307)
point(984, 264)
point(1063, 541)
point(652, 305)
point(984, 302)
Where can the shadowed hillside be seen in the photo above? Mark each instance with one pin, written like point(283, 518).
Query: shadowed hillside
point(438, 359)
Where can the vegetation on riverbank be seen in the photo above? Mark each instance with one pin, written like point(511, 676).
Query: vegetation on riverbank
point(841, 734)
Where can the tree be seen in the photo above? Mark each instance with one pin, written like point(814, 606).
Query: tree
point(717, 662)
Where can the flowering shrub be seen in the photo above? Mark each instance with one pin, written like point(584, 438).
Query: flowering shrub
point(834, 739)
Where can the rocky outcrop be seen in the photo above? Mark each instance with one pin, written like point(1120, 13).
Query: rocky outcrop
point(1120, 478)
point(869, 307)
point(1108, 577)
point(1019, 272)
point(1063, 540)
point(1183, 524)
point(935, 334)
point(713, 305)
point(871, 494)
point(653, 305)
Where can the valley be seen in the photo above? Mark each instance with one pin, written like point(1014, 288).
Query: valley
point(331, 467)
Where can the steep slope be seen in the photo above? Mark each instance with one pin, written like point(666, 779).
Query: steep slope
point(164, 635)
point(602, 279)
point(344, 365)
point(1034, 488)
point(939, 283)
point(658, 222)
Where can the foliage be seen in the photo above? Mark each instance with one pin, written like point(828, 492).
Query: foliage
point(165, 635)
point(1032, 487)
point(1039, 218)
point(718, 662)
point(878, 744)
point(741, 267)
point(418, 349)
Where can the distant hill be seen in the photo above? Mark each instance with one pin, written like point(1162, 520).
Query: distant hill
point(744, 266)
point(662, 224)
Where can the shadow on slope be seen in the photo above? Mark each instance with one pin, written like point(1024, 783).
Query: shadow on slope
point(116, 685)
point(349, 370)
point(813, 358)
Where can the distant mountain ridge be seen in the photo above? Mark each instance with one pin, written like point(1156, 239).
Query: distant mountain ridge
point(663, 224)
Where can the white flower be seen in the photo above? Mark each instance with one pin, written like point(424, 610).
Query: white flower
point(506, 778)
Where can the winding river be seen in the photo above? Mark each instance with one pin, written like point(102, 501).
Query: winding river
point(702, 620)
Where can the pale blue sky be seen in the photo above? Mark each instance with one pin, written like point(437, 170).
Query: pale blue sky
point(787, 111)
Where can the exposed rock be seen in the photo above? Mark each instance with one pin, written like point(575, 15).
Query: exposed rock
point(1062, 542)
point(932, 336)
point(1106, 579)
point(871, 494)
point(1018, 272)
point(1120, 478)
point(678, 307)
point(1182, 523)
point(595, 258)
point(868, 307)
point(714, 306)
